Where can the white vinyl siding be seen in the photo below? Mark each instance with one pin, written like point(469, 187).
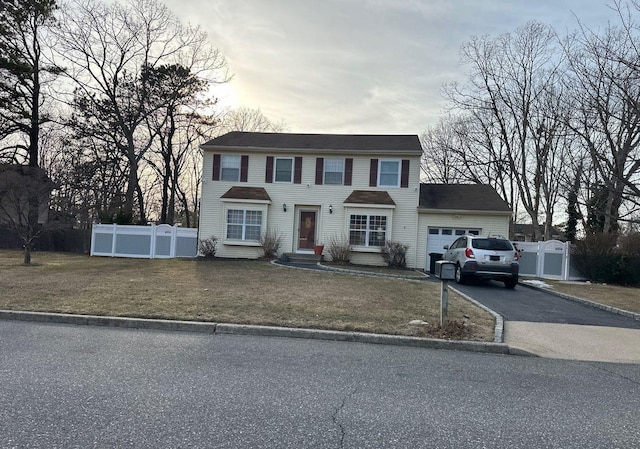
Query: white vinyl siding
point(389, 173)
point(283, 169)
point(230, 167)
point(244, 224)
point(334, 171)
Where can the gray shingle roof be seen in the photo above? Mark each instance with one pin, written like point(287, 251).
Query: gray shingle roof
point(247, 193)
point(479, 197)
point(370, 197)
point(352, 142)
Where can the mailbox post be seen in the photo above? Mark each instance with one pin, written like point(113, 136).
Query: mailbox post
point(445, 271)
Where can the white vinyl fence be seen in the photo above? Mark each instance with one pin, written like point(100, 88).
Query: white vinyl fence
point(162, 241)
point(550, 259)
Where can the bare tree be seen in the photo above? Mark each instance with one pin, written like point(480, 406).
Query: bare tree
point(249, 120)
point(604, 79)
point(508, 98)
point(18, 185)
point(111, 51)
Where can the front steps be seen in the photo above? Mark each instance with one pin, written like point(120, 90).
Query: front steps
point(301, 258)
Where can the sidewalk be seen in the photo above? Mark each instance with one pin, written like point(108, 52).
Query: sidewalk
point(574, 342)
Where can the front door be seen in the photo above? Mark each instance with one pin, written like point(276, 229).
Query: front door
point(307, 230)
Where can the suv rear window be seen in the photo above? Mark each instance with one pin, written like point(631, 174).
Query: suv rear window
point(492, 244)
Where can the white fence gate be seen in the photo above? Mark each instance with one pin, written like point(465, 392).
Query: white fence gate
point(550, 259)
point(162, 241)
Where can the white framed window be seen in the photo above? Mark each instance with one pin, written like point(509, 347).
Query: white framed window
point(244, 224)
point(334, 171)
point(389, 173)
point(283, 169)
point(367, 230)
point(230, 167)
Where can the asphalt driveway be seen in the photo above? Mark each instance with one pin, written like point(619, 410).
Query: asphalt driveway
point(550, 326)
point(531, 305)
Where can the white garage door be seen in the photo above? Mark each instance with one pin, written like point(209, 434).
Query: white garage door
point(438, 237)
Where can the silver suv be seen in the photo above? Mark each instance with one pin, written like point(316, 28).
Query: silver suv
point(485, 258)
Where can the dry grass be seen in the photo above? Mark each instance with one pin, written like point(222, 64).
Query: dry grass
point(626, 298)
point(250, 292)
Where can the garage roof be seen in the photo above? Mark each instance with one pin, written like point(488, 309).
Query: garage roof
point(477, 197)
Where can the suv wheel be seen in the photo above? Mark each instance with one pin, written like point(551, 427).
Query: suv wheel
point(460, 279)
point(511, 282)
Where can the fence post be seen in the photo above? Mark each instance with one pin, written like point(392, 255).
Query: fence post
point(152, 247)
point(93, 238)
point(174, 240)
point(114, 237)
point(567, 261)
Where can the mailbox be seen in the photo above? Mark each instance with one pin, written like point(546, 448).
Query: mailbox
point(445, 270)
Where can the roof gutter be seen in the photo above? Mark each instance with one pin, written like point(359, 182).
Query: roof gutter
point(422, 210)
point(350, 151)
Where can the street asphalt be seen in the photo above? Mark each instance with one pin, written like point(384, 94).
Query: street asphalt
point(66, 386)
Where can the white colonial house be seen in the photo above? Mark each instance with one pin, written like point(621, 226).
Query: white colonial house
point(309, 188)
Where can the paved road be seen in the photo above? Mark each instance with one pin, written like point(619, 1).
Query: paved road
point(81, 386)
point(527, 304)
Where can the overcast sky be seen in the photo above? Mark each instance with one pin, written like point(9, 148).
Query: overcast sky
point(361, 66)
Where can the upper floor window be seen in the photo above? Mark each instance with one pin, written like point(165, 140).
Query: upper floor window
point(388, 173)
point(283, 169)
point(333, 171)
point(230, 167)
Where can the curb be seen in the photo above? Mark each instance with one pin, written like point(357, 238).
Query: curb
point(586, 302)
point(265, 331)
point(498, 333)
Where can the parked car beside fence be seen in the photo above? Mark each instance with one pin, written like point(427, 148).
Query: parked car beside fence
point(484, 257)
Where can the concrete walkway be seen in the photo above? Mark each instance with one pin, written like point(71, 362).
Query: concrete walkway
point(574, 342)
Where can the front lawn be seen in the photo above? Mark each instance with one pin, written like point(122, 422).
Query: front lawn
point(626, 298)
point(249, 292)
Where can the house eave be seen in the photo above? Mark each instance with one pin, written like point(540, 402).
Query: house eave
point(318, 151)
point(498, 213)
point(370, 206)
point(243, 200)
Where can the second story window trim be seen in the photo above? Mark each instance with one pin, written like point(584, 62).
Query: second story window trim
point(230, 167)
point(389, 172)
point(334, 171)
point(333, 167)
point(283, 169)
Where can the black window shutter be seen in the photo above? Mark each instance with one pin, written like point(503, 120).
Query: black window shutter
point(268, 175)
point(297, 170)
point(348, 171)
point(404, 174)
point(373, 173)
point(216, 167)
point(244, 168)
point(319, 170)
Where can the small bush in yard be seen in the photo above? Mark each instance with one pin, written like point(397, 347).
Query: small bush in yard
point(271, 241)
point(207, 247)
point(339, 249)
point(394, 254)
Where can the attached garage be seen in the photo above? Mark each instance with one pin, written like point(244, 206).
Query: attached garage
point(447, 211)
